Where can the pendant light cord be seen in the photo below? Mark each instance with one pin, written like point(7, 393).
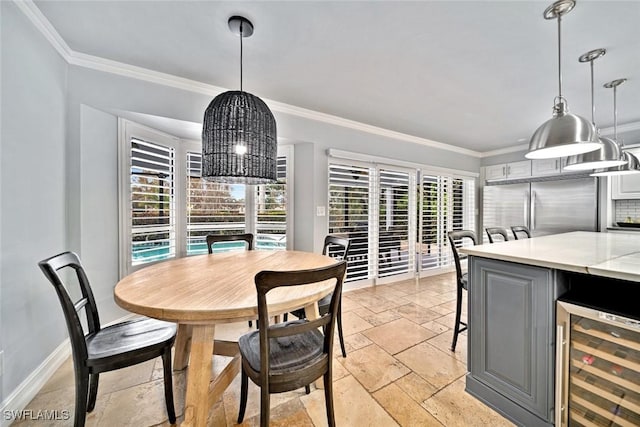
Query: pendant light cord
point(615, 116)
point(241, 37)
point(593, 104)
point(560, 58)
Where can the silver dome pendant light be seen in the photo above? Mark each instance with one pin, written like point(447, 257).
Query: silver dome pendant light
point(631, 163)
point(609, 154)
point(564, 134)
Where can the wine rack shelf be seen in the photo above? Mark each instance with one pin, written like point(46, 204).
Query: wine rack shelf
point(604, 374)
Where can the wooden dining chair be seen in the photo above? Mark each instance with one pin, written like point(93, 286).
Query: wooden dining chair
point(105, 349)
point(212, 239)
point(496, 231)
point(462, 279)
point(335, 247)
point(521, 229)
point(286, 356)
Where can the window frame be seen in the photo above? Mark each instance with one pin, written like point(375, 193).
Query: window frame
point(128, 130)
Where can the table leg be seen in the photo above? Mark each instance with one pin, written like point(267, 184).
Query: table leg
point(182, 347)
point(196, 406)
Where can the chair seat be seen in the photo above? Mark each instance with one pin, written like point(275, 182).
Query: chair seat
point(126, 337)
point(285, 353)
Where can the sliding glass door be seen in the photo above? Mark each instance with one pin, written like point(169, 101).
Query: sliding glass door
point(397, 218)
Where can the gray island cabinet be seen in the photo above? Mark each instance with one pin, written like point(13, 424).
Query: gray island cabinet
point(513, 289)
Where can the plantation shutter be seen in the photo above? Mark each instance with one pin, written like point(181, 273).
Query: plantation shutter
point(349, 213)
point(393, 223)
point(271, 211)
point(152, 202)
point(459, 204)
point(431, 230)
point(212, 208)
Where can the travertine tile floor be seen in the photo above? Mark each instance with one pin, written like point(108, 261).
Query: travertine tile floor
point(398, 371)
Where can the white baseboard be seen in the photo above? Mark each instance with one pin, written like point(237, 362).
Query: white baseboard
point(29, 388)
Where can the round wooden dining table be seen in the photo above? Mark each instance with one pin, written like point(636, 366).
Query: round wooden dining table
point(198, 292)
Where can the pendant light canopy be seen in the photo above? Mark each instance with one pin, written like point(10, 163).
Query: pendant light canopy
point(239, 142)
point(564, 134)
point(631, 164)
point(609, 154)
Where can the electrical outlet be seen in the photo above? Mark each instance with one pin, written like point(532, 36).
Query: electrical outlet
point(320, 211)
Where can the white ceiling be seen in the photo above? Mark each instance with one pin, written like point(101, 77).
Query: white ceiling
point(480, 75)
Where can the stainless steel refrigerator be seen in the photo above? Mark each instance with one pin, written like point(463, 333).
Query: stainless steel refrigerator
point(546, 207)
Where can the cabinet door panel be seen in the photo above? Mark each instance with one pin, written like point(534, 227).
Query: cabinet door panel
point(543, 167)
point(519, 169)
point(511, 331)
point(495, 172)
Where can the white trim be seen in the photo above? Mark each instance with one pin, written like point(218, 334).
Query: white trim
point(367, 158)
point(126, 130)
point(627, 127)
point(114, 67)
point(287, 151)
point(504, 151)
point(39, 21)
point(29, 388)
point(79, 59)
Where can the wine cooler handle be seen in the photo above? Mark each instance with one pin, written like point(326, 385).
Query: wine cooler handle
point(561, 375)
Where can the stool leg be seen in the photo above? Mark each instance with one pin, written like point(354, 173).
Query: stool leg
point(456, 328)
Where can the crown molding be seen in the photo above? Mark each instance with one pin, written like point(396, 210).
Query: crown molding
point(504, 150)
point(79, 59)
point(36, 17)
point(627, 127)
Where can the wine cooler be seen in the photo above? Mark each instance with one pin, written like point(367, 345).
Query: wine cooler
point(597, 367)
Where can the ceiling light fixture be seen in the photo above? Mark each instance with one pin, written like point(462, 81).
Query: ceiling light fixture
point(564, 134)
point(631, 165)
point(239, 142)
point(609, 154)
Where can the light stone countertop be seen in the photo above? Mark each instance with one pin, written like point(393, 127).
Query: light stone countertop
point(614, 255)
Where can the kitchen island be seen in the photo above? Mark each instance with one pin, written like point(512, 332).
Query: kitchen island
point(513, 289)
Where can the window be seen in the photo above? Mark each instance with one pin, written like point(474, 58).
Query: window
point(152, 202)
point(167, 209)
point(212, 208)
point(349, 215)
point(447, 204)
point(405, 211)
point(271, 211)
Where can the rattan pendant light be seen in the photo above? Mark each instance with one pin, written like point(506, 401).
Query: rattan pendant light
point(564, 134)
point(609, 154)
point(239, 142)
point(631, 164)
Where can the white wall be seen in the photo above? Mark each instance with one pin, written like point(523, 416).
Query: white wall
point(70, 132)
point(32, 193)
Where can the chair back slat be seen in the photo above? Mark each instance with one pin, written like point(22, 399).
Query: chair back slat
point(297, 329)
point(52, 268)
point(459, 235)
point(268, 280)
point(501, 231)
point(212, 239)
point(336, 247)
point(80, 304)
point(520, 229)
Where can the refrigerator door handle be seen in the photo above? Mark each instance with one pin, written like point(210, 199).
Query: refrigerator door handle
point(533, 210)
